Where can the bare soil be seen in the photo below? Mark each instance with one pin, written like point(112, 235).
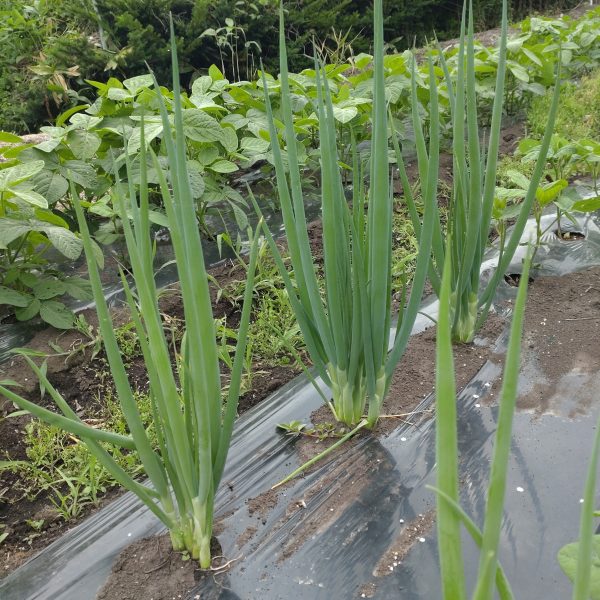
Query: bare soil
point(150, 568)
point(560, 345)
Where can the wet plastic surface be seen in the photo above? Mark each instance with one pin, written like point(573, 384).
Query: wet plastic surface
point(333, 533)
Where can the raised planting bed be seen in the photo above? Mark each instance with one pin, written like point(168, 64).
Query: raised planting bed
point(362, 524)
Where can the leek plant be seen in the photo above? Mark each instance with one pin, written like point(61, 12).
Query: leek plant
point(347, 328)
point(474, 182)
point(449, 513)
point(192, 420)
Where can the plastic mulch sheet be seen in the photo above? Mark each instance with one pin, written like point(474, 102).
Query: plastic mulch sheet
point(363, 525)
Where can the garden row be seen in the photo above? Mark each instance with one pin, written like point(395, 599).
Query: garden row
point(341, 298)
point(226, 130)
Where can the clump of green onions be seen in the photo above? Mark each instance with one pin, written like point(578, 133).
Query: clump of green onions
point(193, 423)
point(449, 513)
point(347, 330)
point(474, 184)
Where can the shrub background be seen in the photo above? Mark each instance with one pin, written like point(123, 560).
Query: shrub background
point(43, 41)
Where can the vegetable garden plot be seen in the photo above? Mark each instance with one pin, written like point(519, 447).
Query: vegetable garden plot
point(338, 532)
point(17, 334)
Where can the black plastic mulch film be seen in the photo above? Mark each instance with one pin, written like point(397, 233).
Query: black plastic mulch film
point(331, 534)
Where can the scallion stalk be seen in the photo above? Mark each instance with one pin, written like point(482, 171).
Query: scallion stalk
point(192, 422)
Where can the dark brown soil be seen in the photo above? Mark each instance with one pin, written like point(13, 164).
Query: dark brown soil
point(560, 344)
point(150, 569)
point(412, 381)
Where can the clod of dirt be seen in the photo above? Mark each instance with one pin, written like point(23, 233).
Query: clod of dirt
point(569, 236)
point(412, 533)
point(152, 570)
point(513, 279)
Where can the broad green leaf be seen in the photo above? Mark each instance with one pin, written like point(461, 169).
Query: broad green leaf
point(30, 197)
point(49, 145)
point(196, 176)
point(45, 289)
point(119, 95)
point(587, 205)
point(518, 71)
point(83, 143)
point(567, 559)
point(83, 121)
point(254, 145)
point(78, 288)
point(215, 73)
point(28, 278)
point(158, 218)
point(151, 131)
point(223, 166)
point(362, 60)
point(230, 139)
point(11, 229)
point(518, 178)
point(80, 172)
point(201, 127)
point(28, 312)
point(98, 253)
point(135, 84)
point(14, 175)
point(344, 115)
point(13, 298)
point(207, 154)
point(57, 314)
point(532, 56)
point(65, 241)
point(9, 138)
point(201, 85)
point(51, 185)
point(548, 193)
point(63, 117)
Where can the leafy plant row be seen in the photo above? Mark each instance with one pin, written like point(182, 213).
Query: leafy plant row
point(346, 325)
point(226, 130)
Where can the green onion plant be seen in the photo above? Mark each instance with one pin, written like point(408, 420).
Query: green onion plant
point(347, 328)
point(581, 560)
point(474, 181)
point(450, 515)
point(193, 422)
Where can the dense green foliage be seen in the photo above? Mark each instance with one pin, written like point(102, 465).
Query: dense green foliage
point(225, 124)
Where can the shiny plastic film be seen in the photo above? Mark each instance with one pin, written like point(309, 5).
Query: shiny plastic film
point(362, 525)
